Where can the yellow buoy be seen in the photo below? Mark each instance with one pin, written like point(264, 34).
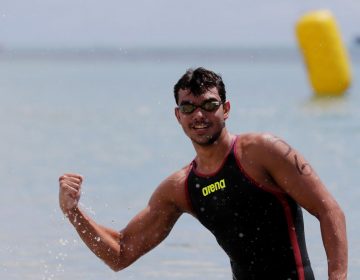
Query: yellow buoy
point(324, 53)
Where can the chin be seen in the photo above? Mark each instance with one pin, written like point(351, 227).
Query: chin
point(206, 140)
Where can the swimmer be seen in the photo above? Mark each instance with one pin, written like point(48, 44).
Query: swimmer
point(248, 190)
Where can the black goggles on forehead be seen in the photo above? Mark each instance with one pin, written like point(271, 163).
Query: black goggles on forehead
point(207, 105)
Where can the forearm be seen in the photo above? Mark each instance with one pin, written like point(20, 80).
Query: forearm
point(333, 229)
point(103, 242)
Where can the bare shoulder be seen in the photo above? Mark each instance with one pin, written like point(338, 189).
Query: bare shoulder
point(251, 144)
point(262, 155)
point(273, 155)
point(172, 190)
point(262, 143)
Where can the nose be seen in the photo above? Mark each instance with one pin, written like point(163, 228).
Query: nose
point(198, 114)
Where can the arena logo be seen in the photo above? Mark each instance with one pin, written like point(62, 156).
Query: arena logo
point(213, 187)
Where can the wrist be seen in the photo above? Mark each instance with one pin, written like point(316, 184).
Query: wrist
point(71, 212)
point(337, 275)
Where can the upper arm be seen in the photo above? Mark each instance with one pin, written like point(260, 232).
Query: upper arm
point(150, 226)
point(294, 175)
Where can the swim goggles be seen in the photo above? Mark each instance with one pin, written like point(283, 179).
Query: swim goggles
point(207, 105)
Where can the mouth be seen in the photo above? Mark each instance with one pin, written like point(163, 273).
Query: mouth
point(200, 126)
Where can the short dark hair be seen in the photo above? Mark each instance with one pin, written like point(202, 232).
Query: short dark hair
point(198, 81)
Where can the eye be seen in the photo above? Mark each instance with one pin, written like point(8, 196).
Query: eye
point(211, 105)
point(187, 108)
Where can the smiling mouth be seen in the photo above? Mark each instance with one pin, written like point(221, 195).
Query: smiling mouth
point(200, 126)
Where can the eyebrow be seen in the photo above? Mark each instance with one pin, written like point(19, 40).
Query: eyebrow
point(185, 102)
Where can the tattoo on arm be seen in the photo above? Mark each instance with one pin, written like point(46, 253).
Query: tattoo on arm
point(303, 168)
point(277, 140)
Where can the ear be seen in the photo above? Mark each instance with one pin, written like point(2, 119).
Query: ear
point(226, 108)
point(177, 114)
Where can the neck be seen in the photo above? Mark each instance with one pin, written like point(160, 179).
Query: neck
point(209, 158)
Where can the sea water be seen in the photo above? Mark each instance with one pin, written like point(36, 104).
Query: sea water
point(111, 119)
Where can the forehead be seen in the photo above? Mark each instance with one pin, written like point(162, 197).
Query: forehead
point(186, 95)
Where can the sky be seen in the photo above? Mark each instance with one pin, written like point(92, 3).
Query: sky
point(163, 23)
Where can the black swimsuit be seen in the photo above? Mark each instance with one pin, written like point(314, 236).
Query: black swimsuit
point(260, 229)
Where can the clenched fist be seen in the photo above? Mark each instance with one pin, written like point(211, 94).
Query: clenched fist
point(70, 191)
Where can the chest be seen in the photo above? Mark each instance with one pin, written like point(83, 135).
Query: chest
point(231, 198)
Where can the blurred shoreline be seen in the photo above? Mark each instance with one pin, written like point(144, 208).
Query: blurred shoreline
point(154, 54)
point(250, 54)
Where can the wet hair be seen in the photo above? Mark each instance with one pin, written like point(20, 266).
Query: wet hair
point(199, 81)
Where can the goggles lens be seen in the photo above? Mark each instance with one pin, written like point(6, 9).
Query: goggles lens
point(208, 106)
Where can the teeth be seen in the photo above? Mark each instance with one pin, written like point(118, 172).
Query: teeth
point(200, 126)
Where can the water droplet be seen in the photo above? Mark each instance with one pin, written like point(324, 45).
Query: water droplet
point(63, 242)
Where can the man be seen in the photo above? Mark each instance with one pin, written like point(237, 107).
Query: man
point(248, 190)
